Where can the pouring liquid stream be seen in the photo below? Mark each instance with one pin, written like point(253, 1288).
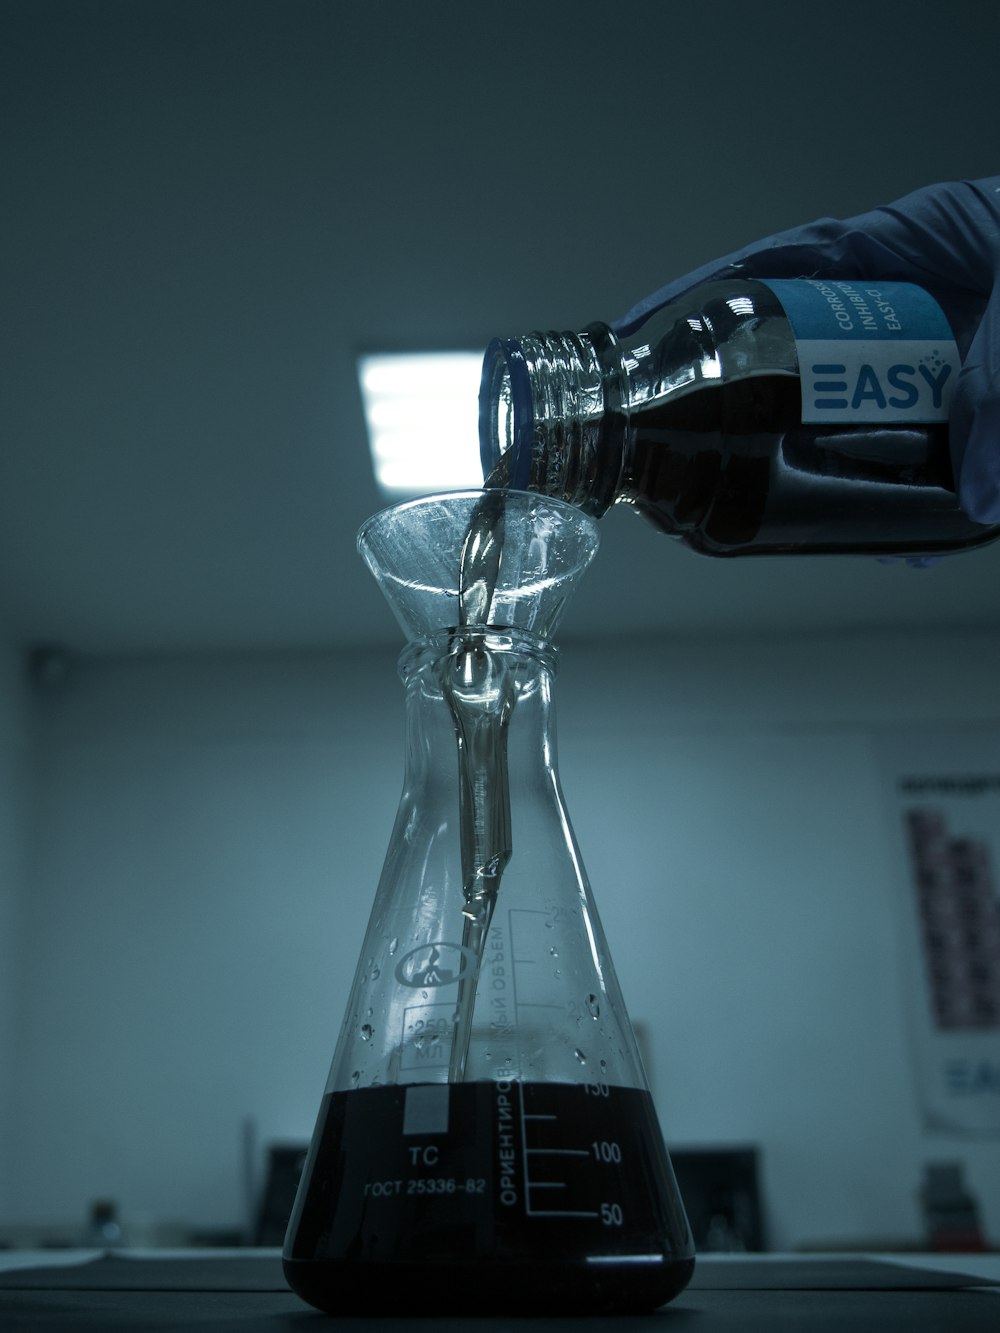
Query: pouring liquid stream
point(477, 682)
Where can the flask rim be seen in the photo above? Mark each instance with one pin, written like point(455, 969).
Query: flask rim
point(429, 649)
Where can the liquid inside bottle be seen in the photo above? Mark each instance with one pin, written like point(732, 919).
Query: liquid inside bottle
point(487, 1141)
point(705, 469)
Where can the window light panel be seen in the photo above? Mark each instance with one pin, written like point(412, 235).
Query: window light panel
point(422, 414)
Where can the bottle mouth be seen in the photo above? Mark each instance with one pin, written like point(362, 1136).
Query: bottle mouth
point(506, 414)
point(544, 421)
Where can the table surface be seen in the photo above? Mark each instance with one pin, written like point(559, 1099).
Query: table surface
point(154, 1291)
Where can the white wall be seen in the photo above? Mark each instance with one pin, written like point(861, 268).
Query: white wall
point(208, 838)
point(746, 879)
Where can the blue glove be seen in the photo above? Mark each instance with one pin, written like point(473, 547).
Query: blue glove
point(945, 238)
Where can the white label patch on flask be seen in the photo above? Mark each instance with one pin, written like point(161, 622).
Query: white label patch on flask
point(869, 352)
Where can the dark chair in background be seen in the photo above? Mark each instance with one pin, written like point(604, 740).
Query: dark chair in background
point(721, 1194)
point(284, 1166)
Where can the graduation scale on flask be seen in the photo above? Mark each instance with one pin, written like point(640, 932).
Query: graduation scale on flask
point(487, 1140)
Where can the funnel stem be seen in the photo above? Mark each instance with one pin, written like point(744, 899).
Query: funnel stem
point(479, 688)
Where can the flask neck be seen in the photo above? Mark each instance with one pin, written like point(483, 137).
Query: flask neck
point(552, 416)
point(529, 652)
point(522, 661)
point(494, 682)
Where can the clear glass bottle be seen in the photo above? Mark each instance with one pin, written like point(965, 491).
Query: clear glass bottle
point(746, 418)
point(487, 1141)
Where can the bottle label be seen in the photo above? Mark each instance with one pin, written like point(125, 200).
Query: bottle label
point(869, 351)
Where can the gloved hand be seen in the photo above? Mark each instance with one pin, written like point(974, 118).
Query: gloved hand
point(943, 237)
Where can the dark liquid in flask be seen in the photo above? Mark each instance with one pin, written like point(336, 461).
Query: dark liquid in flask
point(485, 1198)
point(733, 470)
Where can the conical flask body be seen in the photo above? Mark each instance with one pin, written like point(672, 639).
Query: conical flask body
point(487, 1140)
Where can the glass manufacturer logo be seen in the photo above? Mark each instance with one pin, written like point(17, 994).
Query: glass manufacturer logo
point(434, 965)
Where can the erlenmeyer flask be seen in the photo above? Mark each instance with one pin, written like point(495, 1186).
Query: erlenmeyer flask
point(487, 1140)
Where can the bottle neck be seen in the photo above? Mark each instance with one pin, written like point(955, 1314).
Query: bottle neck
point(552, 415)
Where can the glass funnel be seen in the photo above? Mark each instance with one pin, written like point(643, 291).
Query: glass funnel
point(486, 1115)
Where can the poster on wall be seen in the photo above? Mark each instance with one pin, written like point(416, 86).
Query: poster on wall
point(943, 792)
